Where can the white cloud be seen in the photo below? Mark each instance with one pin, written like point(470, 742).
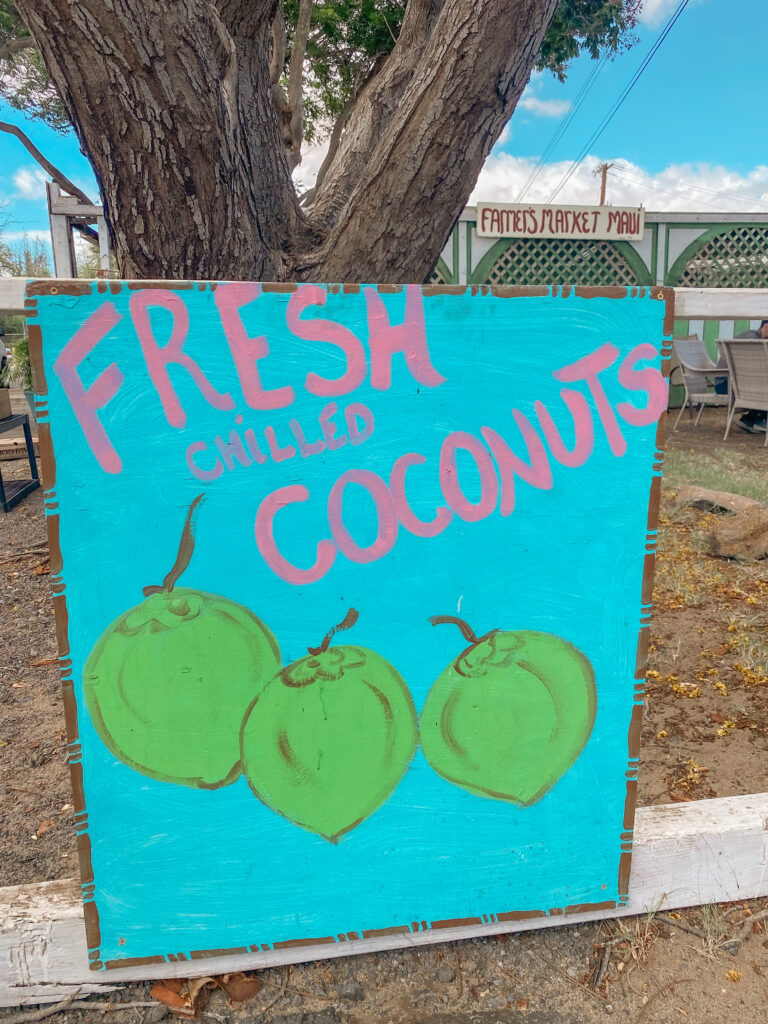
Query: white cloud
point(543, 108)
point(30, 183)
point(653, 12)
point(536, 105)
point(504, 138)
point(699, 187)
point(311, 160)
point(37, 235)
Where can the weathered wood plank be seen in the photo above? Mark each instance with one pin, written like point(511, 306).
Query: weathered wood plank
point(721, 303)
point(685, 855)
point(12, 295)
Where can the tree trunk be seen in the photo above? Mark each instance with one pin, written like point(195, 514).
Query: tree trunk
point(173, 105)
point(462, 92)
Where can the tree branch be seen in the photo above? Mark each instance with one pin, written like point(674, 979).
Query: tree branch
point(377, 102)
point(295, 80)
point(277, 56)
point(14, 45)
point(61, 179)
point(460, 94)
point(333, 146)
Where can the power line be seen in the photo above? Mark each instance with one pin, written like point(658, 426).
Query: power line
point(669, 192)
point(620, 101)
point(562, 127)
point(566, 122)
point(720, 193)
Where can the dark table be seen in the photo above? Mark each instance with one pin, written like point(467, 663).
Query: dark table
point(12, 492)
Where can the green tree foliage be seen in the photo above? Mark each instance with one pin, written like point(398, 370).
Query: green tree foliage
point(24, 81)
point(349, 40)
point(28, 258)
point(594, 26)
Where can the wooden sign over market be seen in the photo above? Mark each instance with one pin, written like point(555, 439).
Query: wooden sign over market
point(505, 220)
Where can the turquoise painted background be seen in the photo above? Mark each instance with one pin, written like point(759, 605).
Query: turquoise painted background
point(179, 869)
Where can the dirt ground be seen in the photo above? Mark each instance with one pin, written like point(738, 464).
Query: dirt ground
point(705, 735)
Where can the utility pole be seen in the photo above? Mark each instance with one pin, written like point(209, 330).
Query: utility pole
point(603, 171)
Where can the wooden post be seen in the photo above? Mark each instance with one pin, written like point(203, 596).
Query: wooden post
point(603, 171)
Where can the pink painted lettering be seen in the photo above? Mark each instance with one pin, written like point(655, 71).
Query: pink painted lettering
point(405, 513)
point(537, 472)
point(409, 337)
point(333, 334)
point(648, 380)
point(86, 402)
point(276, 453)
point(387, 522)
point(252, 444)
point(329, 428)
point(265, 539)
point(158, 358)
point(246, 351)
point(584, 432)
point(588, 369)
point(305, 448)
point(232, 451)
point(470, 512)
point(353, 414)
point(198, 471)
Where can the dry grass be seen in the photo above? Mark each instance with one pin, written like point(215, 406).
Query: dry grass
point(683, 578)
point(715, 928)
point(728, 469)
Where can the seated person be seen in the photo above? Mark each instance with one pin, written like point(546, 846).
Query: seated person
point(753, 420)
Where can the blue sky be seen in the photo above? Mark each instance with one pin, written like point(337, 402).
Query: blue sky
point(693, 118)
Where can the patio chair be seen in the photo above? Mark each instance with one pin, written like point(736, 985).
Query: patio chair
point(747, 362)
point(698, 373)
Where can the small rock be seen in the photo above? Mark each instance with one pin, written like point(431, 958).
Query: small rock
point(155, 1013)
point(324, 1017)
point(741, 536)
point(446, 973)
point(352, 990)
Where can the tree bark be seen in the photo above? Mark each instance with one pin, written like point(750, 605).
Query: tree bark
point(173, 104)
point(372, 113)
point(462, 92)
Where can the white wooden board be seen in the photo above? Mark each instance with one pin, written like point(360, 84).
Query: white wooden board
point(685, 855)
point(690, 303)
point(721, 303)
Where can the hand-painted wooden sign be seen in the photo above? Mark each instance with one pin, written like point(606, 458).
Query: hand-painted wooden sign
point(516, 220)
point(352, 591)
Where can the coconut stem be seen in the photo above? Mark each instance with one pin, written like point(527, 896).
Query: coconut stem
point(466, 630)
point(346, 623)
point(183, 558)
